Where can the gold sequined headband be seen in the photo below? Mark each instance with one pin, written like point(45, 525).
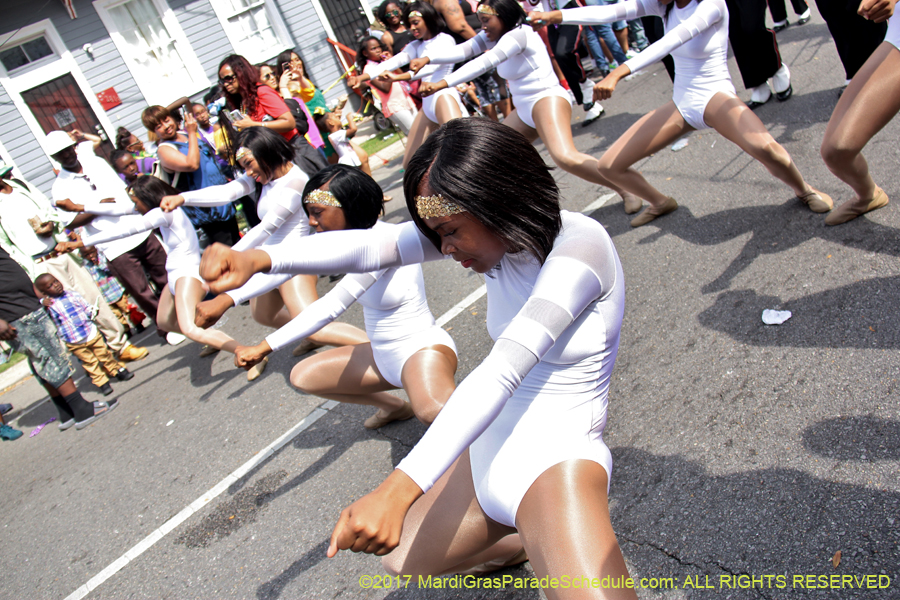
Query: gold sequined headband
point(242, 152)
point(430, 207)
point(415, 13)
point(322, 197)
point(484, 9)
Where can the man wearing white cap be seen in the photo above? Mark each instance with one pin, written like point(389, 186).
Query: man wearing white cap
point(87, 177)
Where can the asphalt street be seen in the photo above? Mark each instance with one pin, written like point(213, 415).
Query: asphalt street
point(746, 455)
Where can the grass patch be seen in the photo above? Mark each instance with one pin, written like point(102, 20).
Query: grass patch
point(14, 359)
point(385, 138)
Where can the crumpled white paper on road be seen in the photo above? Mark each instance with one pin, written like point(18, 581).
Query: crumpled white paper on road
point(775, 317)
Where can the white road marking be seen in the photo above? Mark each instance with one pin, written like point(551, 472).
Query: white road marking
point(260, 456)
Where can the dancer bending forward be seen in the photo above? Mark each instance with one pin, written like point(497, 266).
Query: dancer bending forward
point(429, 29)
point(516, 457)
point(870, 101)
point(407, 349)
point(185, 289)
point(543, 108)
point(697, 38)
point(267, 162)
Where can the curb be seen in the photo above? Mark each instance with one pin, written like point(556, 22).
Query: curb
point(14, 375)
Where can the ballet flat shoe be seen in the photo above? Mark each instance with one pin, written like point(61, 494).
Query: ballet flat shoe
point(401, 414)
point(817, 201)
point(632, 203)
point(256, 370)
point(497, 564)
point(207, 350)
point(852, 209)
point(305, 347)
point(652, 212)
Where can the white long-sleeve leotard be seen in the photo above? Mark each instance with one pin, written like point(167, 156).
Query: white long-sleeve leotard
point(519, 56)
point(696, 36)
point(393, 301)
point(432, 72)
point(564, 314)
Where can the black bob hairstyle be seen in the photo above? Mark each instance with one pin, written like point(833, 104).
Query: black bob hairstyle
point(150, 190)
point(432, 18)
point(269, 149)
point(509, 12)
point(360, 196)
point(496, 175)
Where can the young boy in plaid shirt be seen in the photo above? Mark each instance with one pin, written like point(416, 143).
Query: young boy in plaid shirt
point(72, 316)
point(112, 290)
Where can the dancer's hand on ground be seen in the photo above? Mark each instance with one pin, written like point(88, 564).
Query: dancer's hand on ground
point(426, 88)
point(246, 357)
point(876, 11)
point(417, 63)
point(170, 203)
point(225, 269)
point(373, 523)
point(539, 19)
point(207, 313)
point(603, 90)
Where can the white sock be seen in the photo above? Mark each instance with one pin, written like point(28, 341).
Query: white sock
point(781, 80)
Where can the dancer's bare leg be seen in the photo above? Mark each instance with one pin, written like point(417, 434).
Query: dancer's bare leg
point(427, 377)
point(446, 108)
point(564, 523)
point(299, 292)
point(420, 129)
point(165, 314)
point(651, 133)
point(346, 374)
point(445, 531)
point(732, 118)
point(870, 101)
point(188, 292)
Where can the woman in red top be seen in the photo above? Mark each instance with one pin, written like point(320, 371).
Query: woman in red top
point(261, 106)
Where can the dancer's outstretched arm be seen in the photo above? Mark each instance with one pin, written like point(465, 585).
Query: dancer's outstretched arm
point(130, 226)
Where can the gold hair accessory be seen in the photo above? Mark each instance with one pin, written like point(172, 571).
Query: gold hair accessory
point(415, 13)
point(484, 9)
point(430, 207)
point(242, 152)
point(322, 197)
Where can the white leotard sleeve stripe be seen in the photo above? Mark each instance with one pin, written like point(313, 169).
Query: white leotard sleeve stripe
point(708, 13)
point(217, 195)
point(460, 52)
point(529, 334)
point(353, 251)
point(257, 285)
point(152, 220)
point(512, 43)
point(324, 310)
point(110, 209)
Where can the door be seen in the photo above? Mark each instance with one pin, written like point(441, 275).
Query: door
point(60, 104)
point(347, 19)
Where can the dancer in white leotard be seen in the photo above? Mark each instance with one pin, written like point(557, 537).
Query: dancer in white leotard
point(427, 27)
point(697, 38)
point(267, 160)
point(185, 288)
point(516, 457)
point(407, 349)
point(543, 108)
point(870, 101)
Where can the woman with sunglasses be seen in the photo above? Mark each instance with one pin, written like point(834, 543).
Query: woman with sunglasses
point(543, 108)
point(396, 35)
point(396, 103)
point(407, 350)
point(703, 97)
point(185, 288)
point(302, 116)
point(515, 462)
point(266, 160)
point(428, 28)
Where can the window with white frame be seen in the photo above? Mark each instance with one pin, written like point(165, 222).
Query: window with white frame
point(155, 49)
point(253, 27)
point(26, 53)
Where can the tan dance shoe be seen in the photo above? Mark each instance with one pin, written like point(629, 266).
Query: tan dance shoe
point(632, 203)
point(856, 207)
point(306, 346)
point(817, 201)
point(256, 370)
point(401, 414)
point(207, 350)
point(652, 212)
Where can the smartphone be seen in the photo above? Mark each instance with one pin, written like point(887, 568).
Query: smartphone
point(285, 66)
point(235, 115)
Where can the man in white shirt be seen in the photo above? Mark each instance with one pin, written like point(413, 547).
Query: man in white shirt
point(91, 179)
